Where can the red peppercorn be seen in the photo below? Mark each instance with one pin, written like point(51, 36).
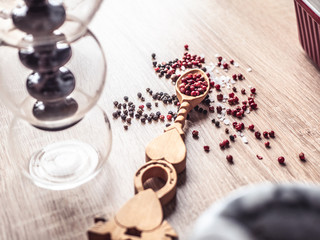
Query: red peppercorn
point(257, 134)
point(217, 86)
point(195, 133)
point(234, 124)
point(225, 66)
point(253, 90)
point(234, 76)
point(161, 117)
point(221, 145)
point(169, 117)
point(220, 97)
point(220, 59)
point(141, 107)
point(243, 91)
point(226, 143)
point(302, 157)
point(231, 95)
point(206, 148)
point(229, 158)
point(219, 64)
point(186, 47)
point(219, 109)
point(211, 108)
point(251, 127)
point(212, 84)
point(267, 144)
point(228, 111)
point(281, 160)
point(271, 134)
point(266, 134)
point(232, 61)
point(259, 157)
point(240, 76)
point(239, 115)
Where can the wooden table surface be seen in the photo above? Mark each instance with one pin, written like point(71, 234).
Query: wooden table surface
point(261, 35)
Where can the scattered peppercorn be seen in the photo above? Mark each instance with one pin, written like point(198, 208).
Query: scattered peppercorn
point(115, 103)
point(195, 134)
point(213, 120)
point(139, 94)
point(206, 148)
point(266, 134)
point(126, 98)
point(115, 115)
point(229, 158)
point(267, 144)
point(231, 138)
point(281, 160)
point(302, 157)
point(186, 47)
point(226, 130)
point(257, 134)
point(217, 123)
point(125, 127)
point(243, 91)
point(148, 105)
point(259, 157)
point(153, 55)
point(251, 127)
point(271, 134)
point(253, 90)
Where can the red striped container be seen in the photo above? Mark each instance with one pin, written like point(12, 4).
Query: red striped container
point(308, 17)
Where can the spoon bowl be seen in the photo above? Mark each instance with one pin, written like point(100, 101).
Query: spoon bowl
point(192, 100)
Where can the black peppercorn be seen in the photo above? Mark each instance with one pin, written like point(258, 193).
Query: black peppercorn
point(115, 114)
point(217, 123)
point(148, 105)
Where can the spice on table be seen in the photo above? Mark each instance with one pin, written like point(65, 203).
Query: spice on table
point(267, 144)
point(206, 148)
point(271, 134)
point(281, 160)
point(251, 127)
point(186, 47)
point(259, 157)
point(229, 158)
point(257, 134)
point(195, 134)
point(266, 134)
point(153, 55)
point(243, 91)
point(217, 123)
point(302, 157)
point(253, 90)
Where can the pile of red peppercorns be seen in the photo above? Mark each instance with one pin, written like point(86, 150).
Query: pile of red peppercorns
point(193, 85)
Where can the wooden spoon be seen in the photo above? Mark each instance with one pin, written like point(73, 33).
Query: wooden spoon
point(170, 145)
point(187, 102)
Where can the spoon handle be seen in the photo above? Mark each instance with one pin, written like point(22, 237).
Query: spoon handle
point(185, 107)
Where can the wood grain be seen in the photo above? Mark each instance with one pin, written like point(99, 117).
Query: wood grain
point(257, 34)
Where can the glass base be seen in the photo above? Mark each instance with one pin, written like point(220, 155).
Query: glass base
point(60, 160)
point(63, 165)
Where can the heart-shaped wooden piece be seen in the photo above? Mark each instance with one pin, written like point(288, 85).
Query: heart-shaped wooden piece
point(170, 147)
point(143, 212)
